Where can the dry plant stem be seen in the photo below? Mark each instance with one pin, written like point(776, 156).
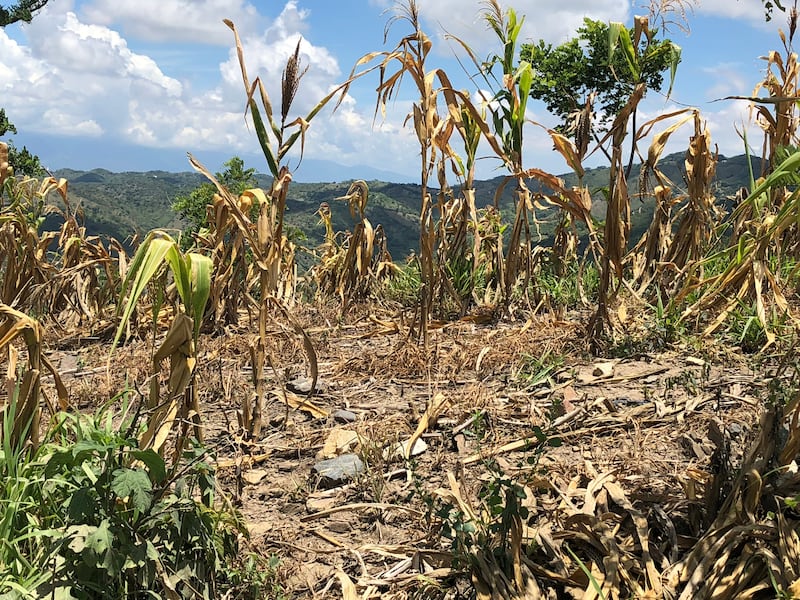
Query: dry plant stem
point(16, 325)
point(617, 226)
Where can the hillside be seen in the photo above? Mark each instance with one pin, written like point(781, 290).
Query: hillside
point(121, 204)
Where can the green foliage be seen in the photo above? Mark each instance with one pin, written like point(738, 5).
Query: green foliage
point(513, 87)
point(89, 515)
point(23, 532)
point(5, 124)
point(191, 273)
point(21, 11)
point(538, 369)
point(747, 331)
point(193, 207)
point(567, 290)
point(255, 578)
point(770, 6)
point(23, 161)
point(477, 535)
point(564, 76)
point(404, 285)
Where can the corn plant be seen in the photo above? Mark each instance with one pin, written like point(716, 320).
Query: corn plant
point(24, 385)
point(85, 273)
point(191, 279)
point(77, 280)
point(273, 265)
point(408, 58)
point(275, 255)
point(748, 274)
point(460, 226)
point(762, 230)
point(24, 261)
point(351, 269)
point(227, 237)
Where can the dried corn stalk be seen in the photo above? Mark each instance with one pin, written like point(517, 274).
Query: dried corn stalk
point(352, 268)
point(25, 384)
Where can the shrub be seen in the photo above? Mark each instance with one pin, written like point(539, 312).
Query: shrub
point(98, 518)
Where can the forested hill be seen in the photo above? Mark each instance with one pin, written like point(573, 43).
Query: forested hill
point(120, 204)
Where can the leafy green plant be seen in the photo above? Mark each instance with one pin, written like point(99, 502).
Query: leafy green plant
point(566, 75)
point(24, 543)
point(403, 285)
point(486, 538)
point(194, 206)
point(255, 577)
point(191, 278)
point(573, 287)
point(115, 520)
point(536, 369)
point(22, 161)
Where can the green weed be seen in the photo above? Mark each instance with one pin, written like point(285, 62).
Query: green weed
point(90, 515)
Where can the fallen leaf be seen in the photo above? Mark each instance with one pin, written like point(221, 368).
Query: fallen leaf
point(339, 441)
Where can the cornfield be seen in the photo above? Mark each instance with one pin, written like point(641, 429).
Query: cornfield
point(701, 264)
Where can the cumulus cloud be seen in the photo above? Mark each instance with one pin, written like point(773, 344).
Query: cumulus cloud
point(83, 71)
point(749, 10)
point(195, 21)
point(551, 20)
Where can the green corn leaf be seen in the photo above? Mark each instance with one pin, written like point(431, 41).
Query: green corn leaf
point(201, 268)
point(180, 272)
point(674, 60)
point(629, 52)
point(524, 77)
point(614, 30)
point(263, 137)
point(148, 260)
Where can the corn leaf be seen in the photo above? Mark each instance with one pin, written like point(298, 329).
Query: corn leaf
point(201, 269)
point(148, 260)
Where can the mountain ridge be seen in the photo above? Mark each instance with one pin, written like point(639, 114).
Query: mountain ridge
point(119, 204)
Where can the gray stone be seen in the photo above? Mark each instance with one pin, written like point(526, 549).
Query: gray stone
point(302, 385)
point(735, 430)
point(344, 416)
point(339, 469)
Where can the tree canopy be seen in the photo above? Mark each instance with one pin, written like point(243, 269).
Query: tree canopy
point(566, 75)
point(21, 11)
point(770, 6)
point(193, 207)
point(23, 161)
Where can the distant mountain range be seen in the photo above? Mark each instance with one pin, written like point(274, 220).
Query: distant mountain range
point(121, 204)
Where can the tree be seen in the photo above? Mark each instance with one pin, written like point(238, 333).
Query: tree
point(23, 161)
point(566, 76)
point(193, 206)
point(21, 11)
point(770, 5)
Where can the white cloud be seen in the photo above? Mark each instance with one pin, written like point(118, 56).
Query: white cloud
point(80, 50)
point(551, 20)
point(750, 10)
point(726, 79)
point(196, 21)
point(66, 123)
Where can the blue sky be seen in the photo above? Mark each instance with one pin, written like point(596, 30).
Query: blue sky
point(134, 85)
